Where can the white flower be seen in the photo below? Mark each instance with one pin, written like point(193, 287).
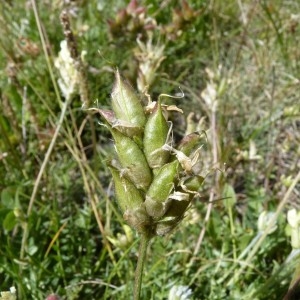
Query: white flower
point(209, 95)
point(253, 152)
point(264, 221)
point(180, 292)
point(293, 218)
point(122, 241)
point(149, 57)
point(68, 80)
point(9, 295)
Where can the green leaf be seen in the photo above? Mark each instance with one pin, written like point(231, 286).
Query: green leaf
point(10, 221)
point(229, 195)
point(8, 197)
point(32, 248)
point(80, 222)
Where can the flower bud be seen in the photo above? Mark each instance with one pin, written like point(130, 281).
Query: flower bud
point(160, 189)
point(126, 105)
point(122, 240)
point(155, 136)
point(132, 160)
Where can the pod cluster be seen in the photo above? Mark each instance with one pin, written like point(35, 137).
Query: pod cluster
point(154, 182)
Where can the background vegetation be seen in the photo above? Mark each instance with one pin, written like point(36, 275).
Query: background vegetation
point(67, 236)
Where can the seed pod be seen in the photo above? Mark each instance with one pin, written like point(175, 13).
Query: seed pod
point(127, 195)
point(192, 184)
point(125, 103)
point(128, 129)
point(132, 160)
point(138, 218)
point(185, 162)
point(160, 189)
point(155, 136)
point(189, 143)
point(180, 196)
point(124, 127)
point(130, 201)
point(177, 207)
point(165, 227)
point(107, 115)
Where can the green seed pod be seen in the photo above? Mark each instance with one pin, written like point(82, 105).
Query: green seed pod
point(130, 201)
point(124, 127)
point(155, 136)
point(125, 103)
point(132, 160)
point(128, 129)
point(185, 162)
point(127, 195)
point(160, 189)
point(188, 144)
point(192, 184)
point(186, 150)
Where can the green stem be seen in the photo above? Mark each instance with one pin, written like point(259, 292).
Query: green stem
point(145, 238)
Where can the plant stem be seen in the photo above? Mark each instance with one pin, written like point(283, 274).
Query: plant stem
point(145, 238)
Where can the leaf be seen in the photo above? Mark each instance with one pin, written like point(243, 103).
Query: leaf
point(8, 197)
point(229, 195)
point(10, 221)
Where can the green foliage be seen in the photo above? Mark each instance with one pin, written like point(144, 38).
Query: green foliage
point(238, 65)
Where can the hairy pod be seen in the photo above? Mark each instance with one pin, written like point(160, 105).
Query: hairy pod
point(124, 127)
point(128, 129)
point(185, 162)
point(188, 144)
point(192, 184)
point(178, 207)
point(127, 195)
point(155, 136)
point(132, 160)
point(138, 218)
point(158, 193)
point(130, 201)
point(165, 227)
point(125, 103)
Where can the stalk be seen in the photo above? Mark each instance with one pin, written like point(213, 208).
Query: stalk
point(145, 238)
